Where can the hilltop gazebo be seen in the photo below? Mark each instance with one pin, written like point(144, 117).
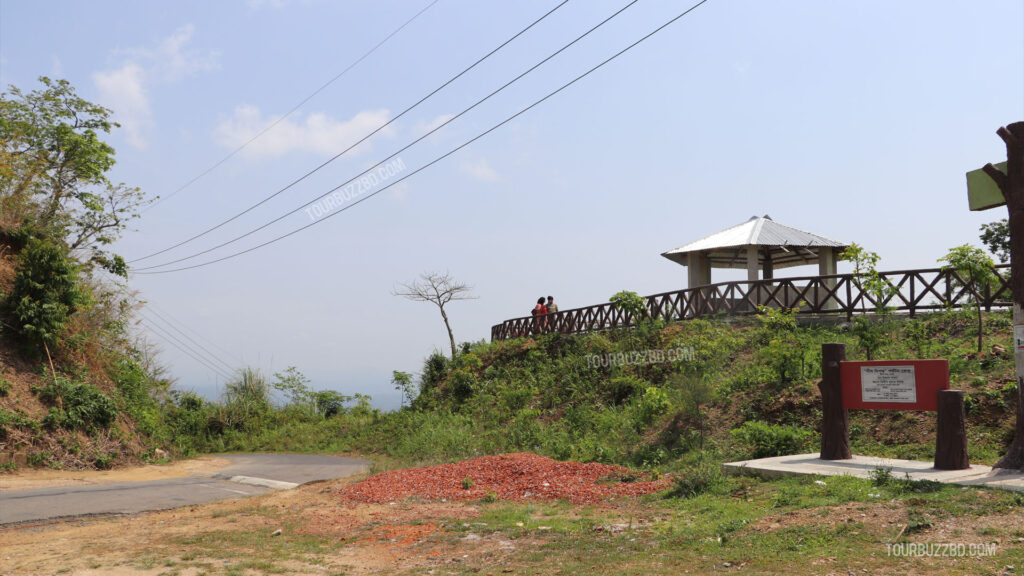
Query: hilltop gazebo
point(757, 244)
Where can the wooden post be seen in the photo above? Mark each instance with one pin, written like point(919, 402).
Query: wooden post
point(835, 429)
point(951, 432)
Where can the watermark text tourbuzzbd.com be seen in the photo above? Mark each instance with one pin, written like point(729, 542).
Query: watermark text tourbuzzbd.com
point(354, 189)
point(640, 357)
point(940, 549)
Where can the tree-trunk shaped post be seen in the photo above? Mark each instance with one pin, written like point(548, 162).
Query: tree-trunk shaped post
point(835, 428)
point(951, 432)
point(1012, 186)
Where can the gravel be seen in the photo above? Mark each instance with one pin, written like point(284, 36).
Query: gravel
point(507, 477)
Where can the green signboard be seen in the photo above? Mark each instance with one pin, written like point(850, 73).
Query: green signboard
point(982, 192)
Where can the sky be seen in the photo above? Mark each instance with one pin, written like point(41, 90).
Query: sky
point(853, 120)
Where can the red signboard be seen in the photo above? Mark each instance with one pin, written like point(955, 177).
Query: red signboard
point(893, 384)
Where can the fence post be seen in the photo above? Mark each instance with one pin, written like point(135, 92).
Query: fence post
point(951, 432)
point(835, 428)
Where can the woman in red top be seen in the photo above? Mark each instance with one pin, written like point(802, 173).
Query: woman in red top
point(539, 310)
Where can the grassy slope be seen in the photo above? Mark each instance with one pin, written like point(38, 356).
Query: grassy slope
point(81, 354)
point(542, 395)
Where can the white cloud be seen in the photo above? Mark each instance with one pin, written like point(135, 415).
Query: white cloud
point(317, 134)
point(122, 90)
point(125, 89)
point(424, 126)
point(479, 170)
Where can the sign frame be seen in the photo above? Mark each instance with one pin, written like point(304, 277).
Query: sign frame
point(930, 376)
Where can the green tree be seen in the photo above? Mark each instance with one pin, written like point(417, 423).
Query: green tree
point(631, 303)
point(53, 168)
point(996, 237)
point(975, 267)
point(870, 333)
point(402, 382)
point(46, 293)
point(865, 272)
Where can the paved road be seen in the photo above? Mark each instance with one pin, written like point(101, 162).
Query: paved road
point(248, 475)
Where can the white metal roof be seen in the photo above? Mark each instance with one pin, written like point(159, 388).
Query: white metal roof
point(788, 246)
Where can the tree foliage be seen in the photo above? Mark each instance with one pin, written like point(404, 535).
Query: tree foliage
point(46, 292)
point(629, 302)
point(53, 166)
point(996, 237)
point(975, 267)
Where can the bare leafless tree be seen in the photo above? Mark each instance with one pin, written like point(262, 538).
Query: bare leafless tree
point(438, 289)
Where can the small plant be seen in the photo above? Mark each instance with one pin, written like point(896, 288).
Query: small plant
point(79, 405)
point(977, 270)
point(104, 461)
point(631, 303)
point(490, 497)
point(702, 478)
point(881, 476)
point(769, 440)
point(874, 287)
point(5, 387)
point(467, 483)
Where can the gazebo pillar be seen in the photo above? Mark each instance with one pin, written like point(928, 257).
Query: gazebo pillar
point(752, 263)
point(827, 267)
point(698, 269)
point(752, 273)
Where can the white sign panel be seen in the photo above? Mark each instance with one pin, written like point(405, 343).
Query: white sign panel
point(888, 384)
point(1018, 336)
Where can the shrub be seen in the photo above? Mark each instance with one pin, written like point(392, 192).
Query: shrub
point(767, 440)
point(653, 403)
point(80, 406)
point(46, 292)
point(631, 303)
point(701, 478)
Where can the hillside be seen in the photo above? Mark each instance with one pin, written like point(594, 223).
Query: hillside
point(749, 388)
point(34, 425)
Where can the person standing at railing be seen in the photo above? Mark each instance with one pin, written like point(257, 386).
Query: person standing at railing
point(552, 310)
point(539, 311)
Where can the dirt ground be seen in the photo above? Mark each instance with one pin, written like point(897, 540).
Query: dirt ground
point(312, 531)
point(43, 478)
point(366, 538)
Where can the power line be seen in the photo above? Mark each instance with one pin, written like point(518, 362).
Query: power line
point(404, 148)
point(449, 153)
point(294, 109)
point(202, 348)
point(170, 339)
point(363, 139)
point(195, 355)
point(154, 308)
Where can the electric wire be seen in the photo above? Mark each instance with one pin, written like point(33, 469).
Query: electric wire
point(170, 319)
point(449, 153)
point(202, 348)
point(194, 354)
point(182, 348)
point(294, 109)
point(360, 141)
point(399, 151)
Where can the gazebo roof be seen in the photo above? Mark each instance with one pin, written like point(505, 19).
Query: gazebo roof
point(788, 246)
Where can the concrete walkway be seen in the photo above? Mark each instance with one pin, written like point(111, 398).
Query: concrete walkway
point(862, 466)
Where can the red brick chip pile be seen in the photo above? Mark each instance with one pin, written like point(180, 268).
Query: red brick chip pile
point(508, 476)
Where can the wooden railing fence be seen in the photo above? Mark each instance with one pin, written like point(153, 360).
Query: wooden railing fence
point(911, 291)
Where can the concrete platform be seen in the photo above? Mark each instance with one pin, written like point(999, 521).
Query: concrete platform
point(862, 466)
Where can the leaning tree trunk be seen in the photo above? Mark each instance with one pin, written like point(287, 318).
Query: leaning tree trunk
point(1012, 186)
point(451, 336)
